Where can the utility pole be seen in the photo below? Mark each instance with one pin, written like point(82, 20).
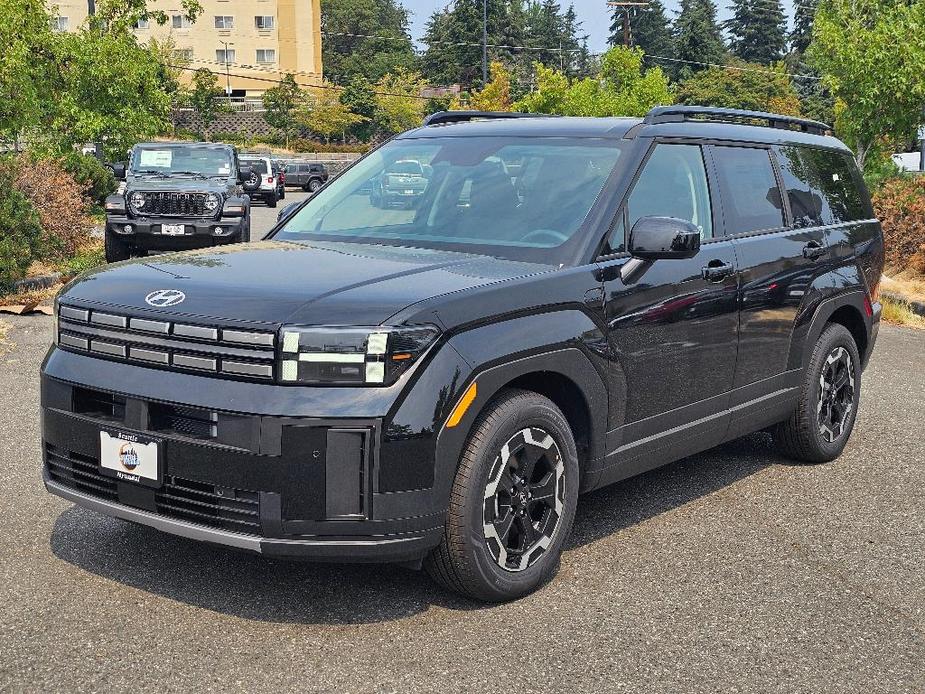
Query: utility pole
point(227, 73)
point(484, 43)
point(627, 32)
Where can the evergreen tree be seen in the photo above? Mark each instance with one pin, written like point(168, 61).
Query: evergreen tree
point(802, 33)
point(697, 38)
point(650, 29)
point(757, 30)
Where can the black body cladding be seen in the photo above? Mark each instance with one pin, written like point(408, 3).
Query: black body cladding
point(680, 314)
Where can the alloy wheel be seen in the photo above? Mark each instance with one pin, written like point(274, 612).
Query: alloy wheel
point(523, 499)
point(836, 394)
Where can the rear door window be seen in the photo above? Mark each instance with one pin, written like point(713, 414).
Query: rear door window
point(751, 196)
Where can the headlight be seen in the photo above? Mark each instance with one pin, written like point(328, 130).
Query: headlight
point(212, 201)
point(348, 356)
point(137, 200)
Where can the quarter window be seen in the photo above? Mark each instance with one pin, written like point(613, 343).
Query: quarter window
point(822, 186)
point(673, 184)
point(751, 197)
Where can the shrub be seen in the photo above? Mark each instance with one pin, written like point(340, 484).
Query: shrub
point(87, 258)
point(60, 203)
point(20, 230)
point(900, 205)
point(231, 138)
point(97, 180)
point(305, 145)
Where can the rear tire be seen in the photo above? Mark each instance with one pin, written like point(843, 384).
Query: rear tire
point(313, 185)
point(820, 426)
point(116, 249)
point(271, 199)
point(504, 532)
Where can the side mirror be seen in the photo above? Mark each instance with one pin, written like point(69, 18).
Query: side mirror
point(287, 210)
point(244, 173)
point(664, 238)
point(118, 170)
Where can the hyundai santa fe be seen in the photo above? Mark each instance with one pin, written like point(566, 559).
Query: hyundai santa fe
point(568, 303)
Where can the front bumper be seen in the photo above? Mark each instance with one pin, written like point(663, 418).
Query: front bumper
point(282, 483)
point(198, 232)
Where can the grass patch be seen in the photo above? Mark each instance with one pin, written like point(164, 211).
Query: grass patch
point(900, 313)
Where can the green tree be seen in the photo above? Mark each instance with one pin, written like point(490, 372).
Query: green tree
point(622, 88)
point(358, 96)
point(400, 105)
point(281, 103)
point(870, 54)
point(325, 114)
point(742, 85)
point(496, 96)
point(26, 64)
point(757, 30)
point(697, 38)
point(203, 99)
point(650, 29)
point(802, 33)
point(352, 45)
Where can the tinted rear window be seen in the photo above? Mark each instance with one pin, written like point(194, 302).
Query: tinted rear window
point(751, 198)
point(256, 164)
point(822, 186)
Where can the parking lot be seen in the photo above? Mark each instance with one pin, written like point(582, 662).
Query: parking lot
point(732, 570)
point(263, 218)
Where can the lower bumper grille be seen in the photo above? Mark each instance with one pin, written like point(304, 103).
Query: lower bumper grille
point(202, 503)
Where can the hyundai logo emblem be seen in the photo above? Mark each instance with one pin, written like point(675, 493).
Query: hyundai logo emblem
point(163, 298)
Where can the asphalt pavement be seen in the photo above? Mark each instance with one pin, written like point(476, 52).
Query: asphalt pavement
point(263, 218)
point(733, 570)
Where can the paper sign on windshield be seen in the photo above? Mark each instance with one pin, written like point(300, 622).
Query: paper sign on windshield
point(158, 158)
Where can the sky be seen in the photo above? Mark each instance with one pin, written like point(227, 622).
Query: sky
point(594, 14)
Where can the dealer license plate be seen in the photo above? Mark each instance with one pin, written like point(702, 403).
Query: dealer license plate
point(130, 457)
point(173, 229)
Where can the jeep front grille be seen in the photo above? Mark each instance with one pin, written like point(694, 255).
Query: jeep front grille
point(177, 346)
point(174, 204)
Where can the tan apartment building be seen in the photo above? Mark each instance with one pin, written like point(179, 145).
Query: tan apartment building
point(248, 44)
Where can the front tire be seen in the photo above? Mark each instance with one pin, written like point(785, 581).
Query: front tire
point(820, 426)
point(116, 249)
point(512, 503)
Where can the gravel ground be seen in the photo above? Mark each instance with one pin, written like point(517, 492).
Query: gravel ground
point(729, 571)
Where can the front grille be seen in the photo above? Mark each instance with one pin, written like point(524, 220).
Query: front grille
point(203, 349)
point(79, 472)
point(221, 507)
point(226, 508)
point(175, 204)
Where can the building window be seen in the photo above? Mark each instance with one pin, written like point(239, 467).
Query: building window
point(224, 55)
point(181, 21)
point(264, 22)
point(224, 22)
point(184, 53)
point(266, 55)
point(141, 24)
point(59, 23)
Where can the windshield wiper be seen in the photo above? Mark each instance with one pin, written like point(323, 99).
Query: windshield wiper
point(189, 173)
point(149, 171)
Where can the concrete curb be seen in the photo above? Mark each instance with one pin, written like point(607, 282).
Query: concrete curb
point(917, 306)
point(31, 284)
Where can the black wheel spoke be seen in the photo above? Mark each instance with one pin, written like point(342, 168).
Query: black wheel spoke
point(545, 489)
point(503, 525)
point(528, 532)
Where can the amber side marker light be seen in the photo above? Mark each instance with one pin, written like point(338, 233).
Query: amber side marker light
point(460, 410)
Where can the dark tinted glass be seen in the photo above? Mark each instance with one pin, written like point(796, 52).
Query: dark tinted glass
point(822, 186)
point(751, 198)
point(258, 165)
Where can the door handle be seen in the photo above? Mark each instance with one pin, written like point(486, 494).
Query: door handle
point(813, 250)
point(717, 270)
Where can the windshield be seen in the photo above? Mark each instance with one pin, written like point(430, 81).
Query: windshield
point(519, 198)
point(206, 161)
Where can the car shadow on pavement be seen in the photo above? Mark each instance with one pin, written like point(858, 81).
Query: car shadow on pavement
point(258, 588)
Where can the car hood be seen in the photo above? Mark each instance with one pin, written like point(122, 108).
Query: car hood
point(292, 282)
point(178, 184)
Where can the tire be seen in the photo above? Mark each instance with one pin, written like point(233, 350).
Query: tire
point(313, 185)
point(116, 249)
point(271, 199)
point(246, 231)
point(471, 552)
point(282, 193)
point(821, 424)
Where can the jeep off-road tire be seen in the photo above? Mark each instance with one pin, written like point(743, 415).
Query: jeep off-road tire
point(476, 557)
point(313, 185)
point(271, 199)
point(116, 249)
point(821, 424)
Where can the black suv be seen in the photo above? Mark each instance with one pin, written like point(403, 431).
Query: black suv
point(177, 196)
point(571, 302)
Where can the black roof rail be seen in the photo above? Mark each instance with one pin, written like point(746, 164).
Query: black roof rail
point(443, 117)
point(678, 114)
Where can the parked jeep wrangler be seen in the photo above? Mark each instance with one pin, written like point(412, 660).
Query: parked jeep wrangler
point(571, 302)
point(177, 196)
